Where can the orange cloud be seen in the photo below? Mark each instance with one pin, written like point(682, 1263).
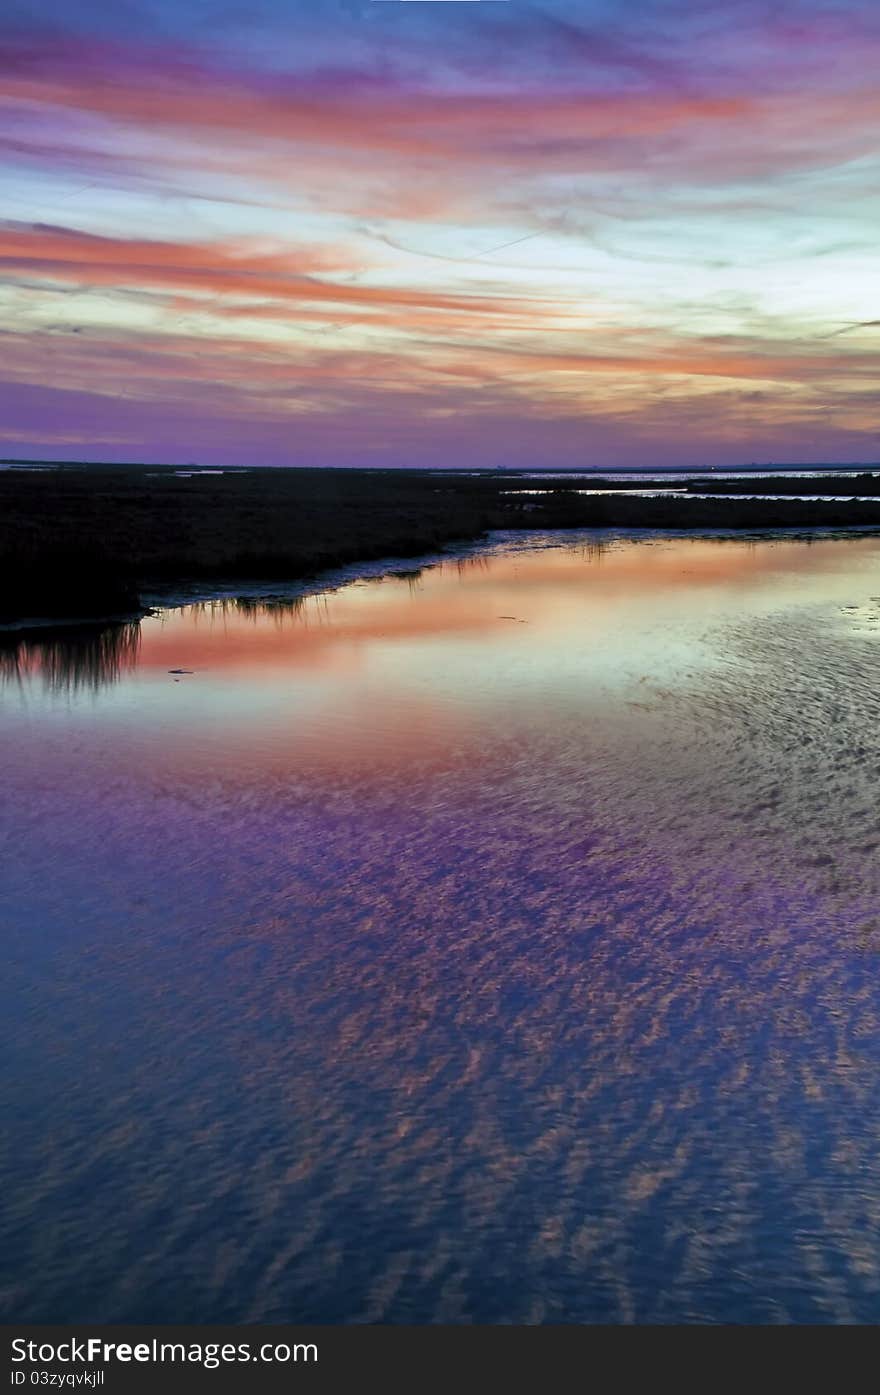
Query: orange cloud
point(215, 269)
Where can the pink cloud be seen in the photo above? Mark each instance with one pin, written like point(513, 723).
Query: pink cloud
point(285, 129)
point(223, 271)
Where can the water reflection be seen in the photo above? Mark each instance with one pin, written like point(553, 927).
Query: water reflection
point(91, 657)
point(561, 579)
point(72, 658)
point(494, 945)
point(254, 608)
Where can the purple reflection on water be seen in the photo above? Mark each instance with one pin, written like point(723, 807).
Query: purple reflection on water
point(406, 962)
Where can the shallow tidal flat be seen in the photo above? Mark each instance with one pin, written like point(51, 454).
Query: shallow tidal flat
point(496, 943)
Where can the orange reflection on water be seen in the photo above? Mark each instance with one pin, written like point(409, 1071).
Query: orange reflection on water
point(586, 589)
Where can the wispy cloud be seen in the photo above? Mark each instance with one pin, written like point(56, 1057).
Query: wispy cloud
point(513, 216)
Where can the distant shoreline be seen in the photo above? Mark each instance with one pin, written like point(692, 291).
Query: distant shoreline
point(93, 545)
point(493, 471)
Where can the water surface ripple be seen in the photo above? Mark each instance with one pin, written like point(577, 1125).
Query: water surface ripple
point(493, 943)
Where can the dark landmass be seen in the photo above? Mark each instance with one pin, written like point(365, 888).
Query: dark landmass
point(863, 482)
point(88, 542)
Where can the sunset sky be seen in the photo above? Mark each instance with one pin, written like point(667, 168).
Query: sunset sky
point(440, 232)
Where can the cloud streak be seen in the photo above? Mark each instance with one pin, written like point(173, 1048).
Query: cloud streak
point(462, 223)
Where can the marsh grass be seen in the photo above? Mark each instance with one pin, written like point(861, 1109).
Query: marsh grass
point(85, 542)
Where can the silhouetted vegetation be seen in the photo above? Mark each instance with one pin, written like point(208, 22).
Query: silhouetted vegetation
point(88, 542)
point(863, 483)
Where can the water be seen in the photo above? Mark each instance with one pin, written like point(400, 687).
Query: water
point(495, 943)
point(681, 493)
point(671, 477)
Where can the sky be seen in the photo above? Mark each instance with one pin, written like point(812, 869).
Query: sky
point(448, 233)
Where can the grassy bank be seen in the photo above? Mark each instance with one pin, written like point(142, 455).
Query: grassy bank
point(85, 542)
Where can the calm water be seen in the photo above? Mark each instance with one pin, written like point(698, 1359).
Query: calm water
point(495, 943)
